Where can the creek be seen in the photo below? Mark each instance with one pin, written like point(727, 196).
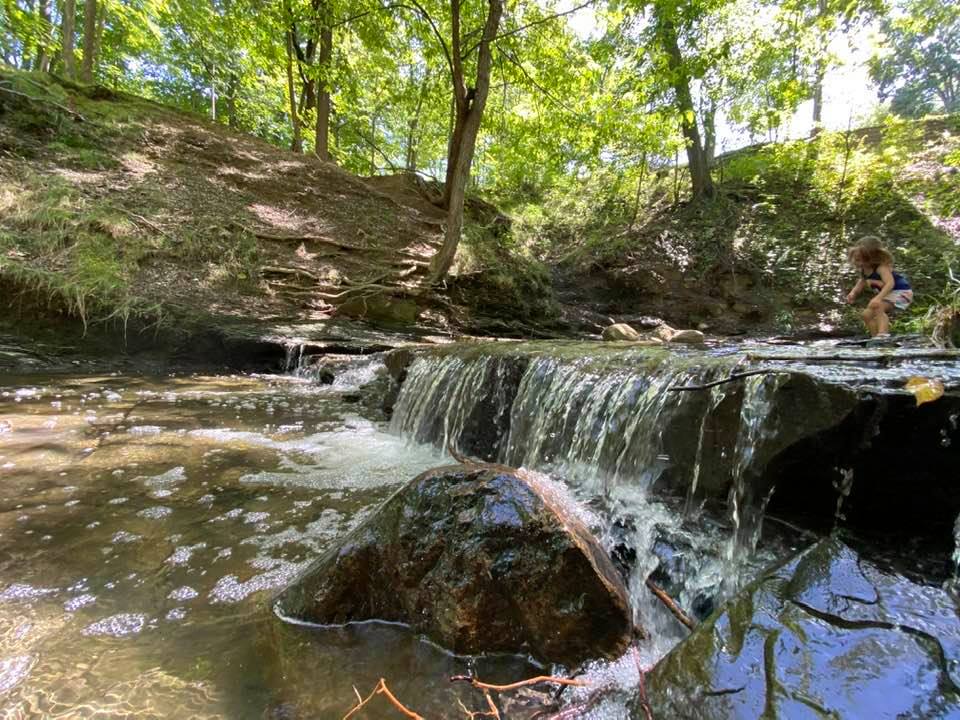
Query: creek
point(146, 522)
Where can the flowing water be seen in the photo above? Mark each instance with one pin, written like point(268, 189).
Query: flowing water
point(145, 523)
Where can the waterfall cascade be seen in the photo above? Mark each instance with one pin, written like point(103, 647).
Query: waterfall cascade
point(684, 478)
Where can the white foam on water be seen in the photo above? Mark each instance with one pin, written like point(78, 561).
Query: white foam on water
point(14, 670)
point(120, 625)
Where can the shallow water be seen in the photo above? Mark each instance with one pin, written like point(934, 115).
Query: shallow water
point(145, 525)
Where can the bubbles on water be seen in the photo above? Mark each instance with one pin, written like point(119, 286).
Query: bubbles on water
point(122, 536)
point(182, 554)
point(145, 430)
point(176, 614)
point(18, 592)
point(157, 512)
point(182, 594)
point(80, 601)
point(118, 500)
point(14, 670)
point(120, 625)
point(279, 573)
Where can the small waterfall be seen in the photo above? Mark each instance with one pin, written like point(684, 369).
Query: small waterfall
point(590, 424)
point(293, 357)
point(746, 515)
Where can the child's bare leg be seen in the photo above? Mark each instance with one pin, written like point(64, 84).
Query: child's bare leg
point(870, 320)
point(882, 319)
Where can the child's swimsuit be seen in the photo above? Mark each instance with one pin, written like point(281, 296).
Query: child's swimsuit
point(900, 296)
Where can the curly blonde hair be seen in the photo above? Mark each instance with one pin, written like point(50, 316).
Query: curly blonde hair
point(869, 250)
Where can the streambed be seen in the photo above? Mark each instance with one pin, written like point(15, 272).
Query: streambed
point(146, 522)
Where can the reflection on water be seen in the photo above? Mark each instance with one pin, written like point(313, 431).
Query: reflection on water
point(144, 526)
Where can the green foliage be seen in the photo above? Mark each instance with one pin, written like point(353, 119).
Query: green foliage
point(919, 64)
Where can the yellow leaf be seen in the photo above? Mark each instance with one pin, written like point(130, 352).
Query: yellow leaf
point(925, 389)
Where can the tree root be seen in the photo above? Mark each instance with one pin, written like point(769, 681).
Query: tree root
point(671, 605)
point(382, 689)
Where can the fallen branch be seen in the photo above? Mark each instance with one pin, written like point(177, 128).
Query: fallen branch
point(731, 378)
point(520, 683)
point(57, 105)
point(152, 226)
point(289, 271)
point(671, 605)
point(644, 702)
point(382, 689)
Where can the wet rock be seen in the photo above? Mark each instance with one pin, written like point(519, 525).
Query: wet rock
point(479, 559)
point(619, 332)
point(664, 332)
point(827, 634)
point(688, 337)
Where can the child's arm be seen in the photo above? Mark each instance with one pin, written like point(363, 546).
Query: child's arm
point(857, 289)
point(886, 275)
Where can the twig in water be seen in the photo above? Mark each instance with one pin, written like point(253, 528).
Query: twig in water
point(671, 605)
point(644, 702)
point(520, 683)
point(734, 376)
point(382, 689)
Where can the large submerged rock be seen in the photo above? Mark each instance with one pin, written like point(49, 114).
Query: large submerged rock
point(828, 634)
point(480, 558)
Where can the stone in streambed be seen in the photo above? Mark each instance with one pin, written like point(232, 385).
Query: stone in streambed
point(671, 335)
point(827, 634)
point(479, 558)
point(620, 332)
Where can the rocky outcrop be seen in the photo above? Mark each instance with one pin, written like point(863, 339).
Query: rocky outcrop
point(480, 558)
point(827, 634)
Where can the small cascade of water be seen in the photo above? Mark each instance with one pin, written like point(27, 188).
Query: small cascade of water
point(453, 402)
point(718, 394)
point(843, 485)
point(953, 584)
point(746, 515)
point(593, 424)
point(293, 357)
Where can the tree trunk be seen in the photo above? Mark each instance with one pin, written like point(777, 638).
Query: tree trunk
point(43, 56)
point(322, 139)
point(701, 183)
point(412, 135)
point(68, 28)
point(89, 40)
point(213, 93)
point(710, 131)
point(470, 105)
point(233, 85)
point(297, 144)
point(819, 73)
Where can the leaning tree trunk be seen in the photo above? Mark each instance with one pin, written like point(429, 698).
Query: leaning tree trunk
point(701, 183)
point(89, 40)
point(819, 73)
point(68, 29)
point(469, 113)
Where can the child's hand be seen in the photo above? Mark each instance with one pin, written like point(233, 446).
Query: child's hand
point(851, 297)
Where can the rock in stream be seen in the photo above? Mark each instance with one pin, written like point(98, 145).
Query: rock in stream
point(826, 635)
point(479, 558)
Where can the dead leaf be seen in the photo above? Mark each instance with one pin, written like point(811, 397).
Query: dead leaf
point(925, 389)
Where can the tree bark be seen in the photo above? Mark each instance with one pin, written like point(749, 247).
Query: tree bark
point(710, 131)
point(819, 73)
point(324, 107)
point(700, 180)
point(469, 112)
point(43, 56)
point(297, 144)
point(89, 40)
point(233, 85)
point(68, 28)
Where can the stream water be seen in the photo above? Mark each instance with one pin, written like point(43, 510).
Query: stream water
point(145, 524)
